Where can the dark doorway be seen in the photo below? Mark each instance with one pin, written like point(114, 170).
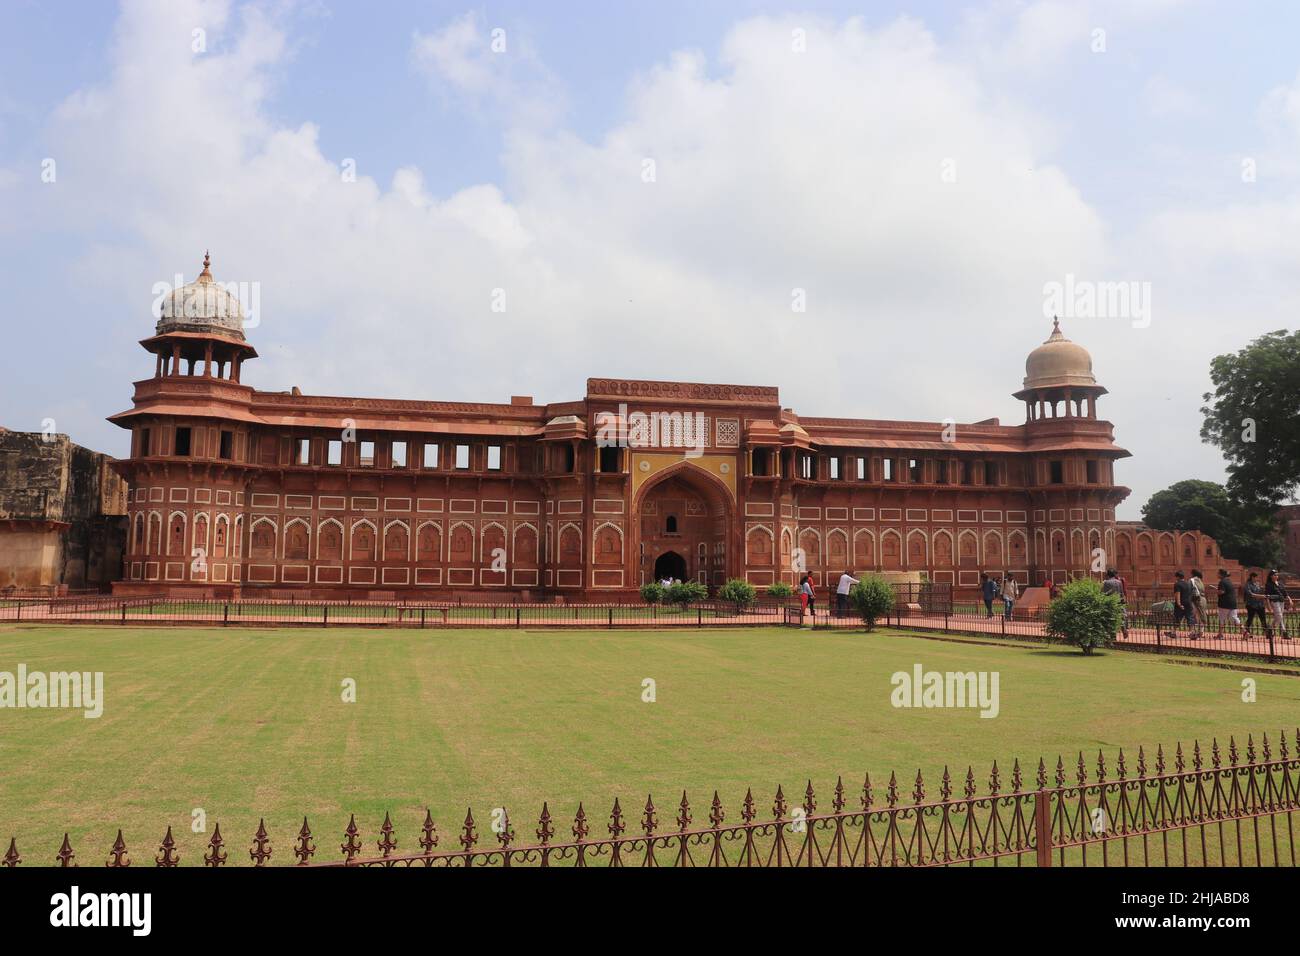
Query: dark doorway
point(670, 564)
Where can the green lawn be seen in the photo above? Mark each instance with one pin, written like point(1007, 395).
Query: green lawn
point(250, 723)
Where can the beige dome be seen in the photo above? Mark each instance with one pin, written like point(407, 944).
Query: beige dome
point(202, 306)
point(1058, 361)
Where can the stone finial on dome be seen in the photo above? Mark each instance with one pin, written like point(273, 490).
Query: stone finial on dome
point(207, 263)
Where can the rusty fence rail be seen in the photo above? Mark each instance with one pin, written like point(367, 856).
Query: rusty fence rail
point(1206, 807)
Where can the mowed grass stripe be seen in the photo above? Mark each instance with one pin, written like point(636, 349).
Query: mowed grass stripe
point(250, 723)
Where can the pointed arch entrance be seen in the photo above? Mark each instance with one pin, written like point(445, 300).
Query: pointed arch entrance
point(686, 512)
point(670, 566)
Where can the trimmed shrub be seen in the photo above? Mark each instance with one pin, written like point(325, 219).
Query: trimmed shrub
point(873, 597)
point(685, 592)
point(1084, 616)
point(738, 592)
point(652, 593)
point(779, 590)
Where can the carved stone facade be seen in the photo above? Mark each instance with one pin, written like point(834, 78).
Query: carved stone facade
point(235, 491)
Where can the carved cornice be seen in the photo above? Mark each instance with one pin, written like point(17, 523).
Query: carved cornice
point(317, 402)
point(682, 391)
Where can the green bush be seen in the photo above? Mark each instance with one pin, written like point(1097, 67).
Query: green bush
point(779, 590)
point(873, 597)
point(1084, 616)
point(652, 593)
point(738, 592)
point(685, 592)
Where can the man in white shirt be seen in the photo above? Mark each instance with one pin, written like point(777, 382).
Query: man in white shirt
point(842, 593)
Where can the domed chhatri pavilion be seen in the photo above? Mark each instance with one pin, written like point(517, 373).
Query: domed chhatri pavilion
point(240, 492)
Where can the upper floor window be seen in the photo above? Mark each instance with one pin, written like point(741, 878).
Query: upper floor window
point(990, 472)
point(494, 458)
point(367, 454)
point(431, 455)
point(1056, 472)
point(915, 472)
point(670, 526)
point(862, 468)
point(183, 442)
point(610, 462)
point(887, 469)
point(334, 453)
point(835, 469)
point(144, 442)
point(967, 473)
point(806, 466)
point(941, 472)
point(462, 457)
point(397, 454)
point(227, 445)
point(302, 451)
point(1092, 472)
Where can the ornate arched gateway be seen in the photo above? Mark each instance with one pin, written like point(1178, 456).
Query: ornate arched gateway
point(687, 511)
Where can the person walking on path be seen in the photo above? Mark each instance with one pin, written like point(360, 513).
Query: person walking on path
point(1255, 607)
point(842, 593)
point(1114, 584)
point(1183, 610)
point(1276, 595)
point(1227, 603)
point(1010, 594)
point(1200, 606)
point(809, 596)
point(988, 591)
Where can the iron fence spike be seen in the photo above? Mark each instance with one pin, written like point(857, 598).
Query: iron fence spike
point(118, 855)
point(216, 855)
point(169, 857)
point(65, 854)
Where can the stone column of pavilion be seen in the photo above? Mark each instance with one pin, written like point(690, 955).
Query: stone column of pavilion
point(190, 456)
point(1071, 484)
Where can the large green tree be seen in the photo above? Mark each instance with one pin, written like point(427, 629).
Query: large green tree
point(1253, 416)
point(1245, 532)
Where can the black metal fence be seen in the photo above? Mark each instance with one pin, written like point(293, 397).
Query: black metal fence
point(1198, 807)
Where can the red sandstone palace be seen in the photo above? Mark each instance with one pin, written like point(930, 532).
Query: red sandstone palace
point(240, 492)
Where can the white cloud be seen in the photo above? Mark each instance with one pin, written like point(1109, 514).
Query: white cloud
point(774, 170)
point(1165, 99)
point(477, 65)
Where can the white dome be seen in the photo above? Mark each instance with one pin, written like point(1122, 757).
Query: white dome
point(204, 305)
point(1058, 362)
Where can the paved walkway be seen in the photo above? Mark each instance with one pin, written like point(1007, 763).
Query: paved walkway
point(1209, 642)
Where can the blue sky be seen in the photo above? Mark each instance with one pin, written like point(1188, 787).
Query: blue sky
point(520, 170)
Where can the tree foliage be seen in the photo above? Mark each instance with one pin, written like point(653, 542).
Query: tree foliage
point(1084, 616)
point(1247, 533)
point(1253, 416)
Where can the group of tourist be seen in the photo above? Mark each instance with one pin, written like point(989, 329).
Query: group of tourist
point(993, 589)
point(1191, 603)
point(808, 594)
